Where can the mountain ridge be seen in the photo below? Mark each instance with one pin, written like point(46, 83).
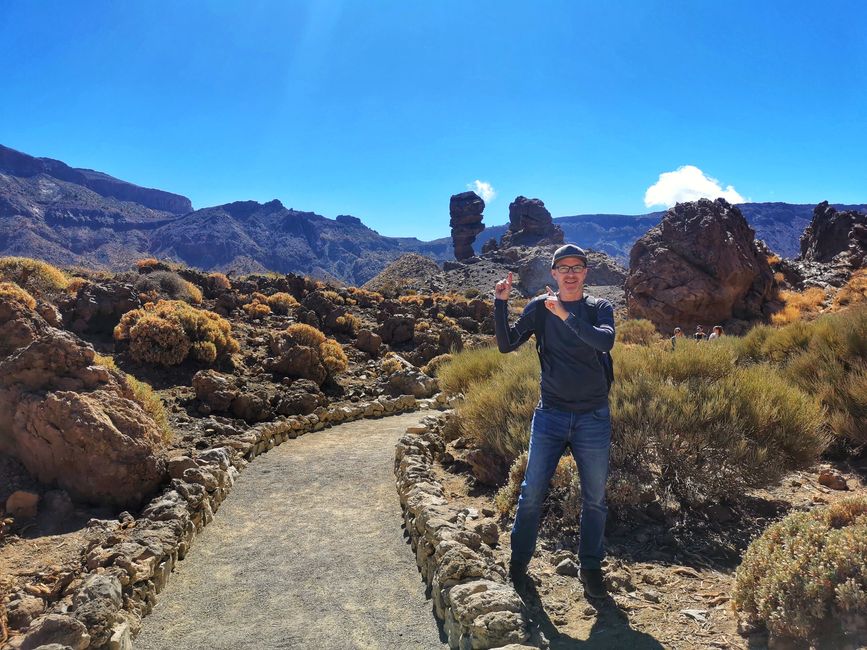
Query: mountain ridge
point(72, 216)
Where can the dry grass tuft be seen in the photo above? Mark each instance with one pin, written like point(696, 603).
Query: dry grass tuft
point(11, 291)
point(805, 305)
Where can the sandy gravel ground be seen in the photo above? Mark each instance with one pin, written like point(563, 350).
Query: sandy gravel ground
point(306, 552)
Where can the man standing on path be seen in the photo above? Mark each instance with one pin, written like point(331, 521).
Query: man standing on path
point(576, 332)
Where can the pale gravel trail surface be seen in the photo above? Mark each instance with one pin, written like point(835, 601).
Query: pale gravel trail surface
point(307, 551)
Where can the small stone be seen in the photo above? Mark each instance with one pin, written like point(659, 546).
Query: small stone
point(833, 479)
point(651, 595)
point(22, 504)
point(567, 567)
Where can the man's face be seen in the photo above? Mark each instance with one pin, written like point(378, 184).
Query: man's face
point(569, 273)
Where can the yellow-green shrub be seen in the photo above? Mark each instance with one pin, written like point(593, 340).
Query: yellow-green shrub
point(853, 292)
point(637, 331)
point(688, 422)
point(158, 285)
point(75, 284)
point(333, 357)
point(507, 496)
point(333, 297)
point(256, 309)
point(143, 394)
point(826, 358)
point(147, 263)
point(11, 291)
point(219, 281)
point(390, 364)
point(170, 330)
point(347, 323)
point(692, 423)
point(468, 367)
point(432, 367)
point(37, 277)
point(304, 334)
point(798, 305)
point(806, 576)
point(282, 302)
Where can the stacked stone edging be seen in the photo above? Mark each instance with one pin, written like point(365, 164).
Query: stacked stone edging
point(129, 561)
point(470, 593)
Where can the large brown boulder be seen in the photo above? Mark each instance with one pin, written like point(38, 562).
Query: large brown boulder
point(465, 211)
point(700, 265)
point(75, 424)
point(19, 325)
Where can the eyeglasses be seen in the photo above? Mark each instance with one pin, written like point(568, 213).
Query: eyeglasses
point(576, 268)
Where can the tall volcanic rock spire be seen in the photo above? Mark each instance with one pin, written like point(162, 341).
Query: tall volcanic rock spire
point(465, 210)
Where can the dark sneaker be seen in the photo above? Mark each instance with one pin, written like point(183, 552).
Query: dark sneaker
point(594, 584)
point(518, 575)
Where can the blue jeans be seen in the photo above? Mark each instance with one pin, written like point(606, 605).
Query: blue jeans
point(589, 436)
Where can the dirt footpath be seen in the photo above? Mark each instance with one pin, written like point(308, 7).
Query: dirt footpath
point(306, 552)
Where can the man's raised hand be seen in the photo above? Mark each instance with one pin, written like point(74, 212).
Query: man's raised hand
point(553, 304)
point(503, 288)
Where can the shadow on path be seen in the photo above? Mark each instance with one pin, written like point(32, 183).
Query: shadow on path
point(610, 631)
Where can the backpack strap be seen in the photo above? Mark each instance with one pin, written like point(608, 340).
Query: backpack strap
point(539, 328)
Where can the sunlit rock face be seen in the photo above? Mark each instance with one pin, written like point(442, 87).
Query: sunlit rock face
point(700, 265)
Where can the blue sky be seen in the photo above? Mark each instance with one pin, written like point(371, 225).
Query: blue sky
point(384, 109)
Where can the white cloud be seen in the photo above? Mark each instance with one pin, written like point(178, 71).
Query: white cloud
point(483, 189)
point(688, 183)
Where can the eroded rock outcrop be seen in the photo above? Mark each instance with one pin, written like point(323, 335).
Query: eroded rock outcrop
point(75, 424)
point(832, 233)
point(530, 224)
point(465, 210)
point(700, 265)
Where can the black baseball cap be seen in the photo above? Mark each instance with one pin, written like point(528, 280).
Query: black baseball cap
point(569, 250)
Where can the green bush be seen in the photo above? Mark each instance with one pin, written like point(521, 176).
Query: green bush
point(826, 358)
point(692, 423)
point(688, 423)
point(805, 578)
point(170, 330)
point(637, 331)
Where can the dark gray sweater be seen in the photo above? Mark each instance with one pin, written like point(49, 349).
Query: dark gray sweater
point(572, 376)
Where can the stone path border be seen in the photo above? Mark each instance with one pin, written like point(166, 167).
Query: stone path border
point(129, 561)
point(471, 595)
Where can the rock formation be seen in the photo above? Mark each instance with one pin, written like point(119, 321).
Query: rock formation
point(465, 210)
point(832, 233)
point(700, 265)
point(71, 422)
point(530, 224)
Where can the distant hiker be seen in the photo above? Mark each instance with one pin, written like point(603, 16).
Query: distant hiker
point(678, 334)
point(574, 334)
point(716, 333)
point(699, 333)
